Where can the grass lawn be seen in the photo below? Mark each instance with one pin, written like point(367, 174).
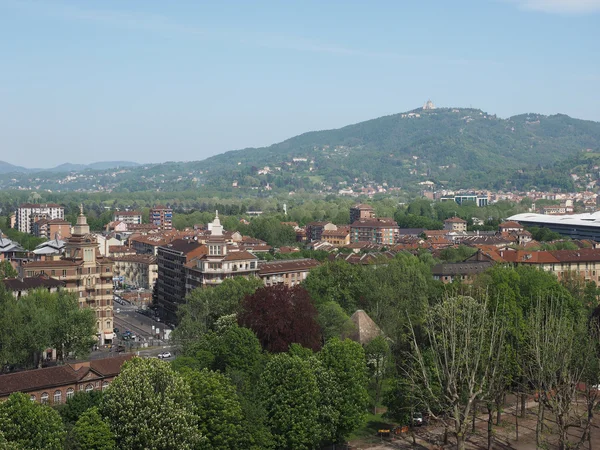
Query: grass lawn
point(372, 425)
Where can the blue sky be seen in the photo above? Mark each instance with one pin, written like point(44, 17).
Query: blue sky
point(150, 80)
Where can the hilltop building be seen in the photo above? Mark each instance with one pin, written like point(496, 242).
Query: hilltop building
point(428, 105)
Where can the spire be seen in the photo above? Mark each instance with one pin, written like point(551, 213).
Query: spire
point(216, 228)
point(81, 209)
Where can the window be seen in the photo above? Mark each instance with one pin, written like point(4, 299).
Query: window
point(64, 273)
point(70, 393)
point(32, 397)
point(89, 388)
point(57, 398)
point(44, 398)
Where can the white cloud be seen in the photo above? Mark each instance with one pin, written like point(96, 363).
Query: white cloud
point(560, 6)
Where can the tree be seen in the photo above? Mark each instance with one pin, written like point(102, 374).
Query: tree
point(280, 316)
point(204, 306)
point(334, 321)
point(7, 270)
point(378, 355)
point(290, 395)
point(73, 328)
point(149, 406)
point(91, 432)
point(336, 281)
point(346, 362)
point(461, 355)
point(220, 416)
point(553, 330)
point(30, 425)
point(75, 406)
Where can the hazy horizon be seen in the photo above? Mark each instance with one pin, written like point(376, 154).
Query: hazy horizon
point(149, 82)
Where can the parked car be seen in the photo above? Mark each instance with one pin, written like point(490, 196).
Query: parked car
point(120, 348)
point(164, 355)
point(417, 419)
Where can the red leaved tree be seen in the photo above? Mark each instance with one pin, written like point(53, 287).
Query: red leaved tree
point(280, 316)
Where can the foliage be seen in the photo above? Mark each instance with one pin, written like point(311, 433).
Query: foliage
point(458, 254)
point(346, 362)
point(290, 395)
point(543, 234)
point(378, 358)
point(30, 425)
point(75, 406)
point(204, 306)
point(220, 416)
point(7, 270)
point(334, 321)
point(91, 432)
point(149, 406)
point(281, 316)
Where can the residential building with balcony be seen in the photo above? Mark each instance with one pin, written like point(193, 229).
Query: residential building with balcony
point(162, 217)
point(287, 272)
point(361, 211)
point(171, 281)
point(314, 230)
point(219, 263)
point(381, 231)
point(137, 270)
point(85, 272)
point(27, 213)
point(128, 217)
point(339, 237)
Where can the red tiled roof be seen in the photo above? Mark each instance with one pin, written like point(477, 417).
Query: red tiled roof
point(510, 224)
point(239, 256)
point(455, 220)
point(290, 265)
point(579, 255)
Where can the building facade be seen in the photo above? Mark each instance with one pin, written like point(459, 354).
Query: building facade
point(361, 211)
point(128, 217)
point(85, 272)
point(314, 230)
point(162, 217)
point(287, 272)
point(382, 231)
point(455, 224)
point(171, 281)
point(55, 385)
point(137, 270)
point(27, 213)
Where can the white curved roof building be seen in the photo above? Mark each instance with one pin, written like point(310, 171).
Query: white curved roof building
point(576, 226)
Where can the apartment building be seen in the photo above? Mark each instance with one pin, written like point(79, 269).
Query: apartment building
point(455, 224)
point(162, 217)
point(361, 211)
point(52, 228)
point(381, 231)
point(28, 213)
point(287, 272)
point(314, 230)
point(338, 237)
point(137, 270)
point(219, 263)
point(85, 272)
point(128, 217)
point(171, 281)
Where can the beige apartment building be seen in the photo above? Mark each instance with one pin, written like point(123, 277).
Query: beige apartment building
point(84, 272)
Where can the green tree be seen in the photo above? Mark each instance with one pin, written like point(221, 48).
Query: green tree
point(220, 415)
point(75, 406)
point(149, 406)
point(204, 306)
point(7, 270)
point(91, 432)
point(30, 425)
point(346, 362)
point(334, 321)
point(378, 357)
point(290, 395)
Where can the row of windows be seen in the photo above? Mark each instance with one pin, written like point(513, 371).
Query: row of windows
point(57, 397)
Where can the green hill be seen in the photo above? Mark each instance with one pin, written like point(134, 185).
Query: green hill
point(455, 147)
